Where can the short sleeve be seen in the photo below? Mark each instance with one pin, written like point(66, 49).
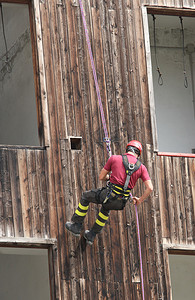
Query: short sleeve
point(144, 175)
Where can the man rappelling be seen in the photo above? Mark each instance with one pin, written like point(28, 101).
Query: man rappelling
point(122, 172)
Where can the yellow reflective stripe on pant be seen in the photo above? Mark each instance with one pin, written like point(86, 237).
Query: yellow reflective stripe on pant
point(100, 223)
point(83, 207)
point(81, 210)
point(103, 216)
point(79, 213)
point(101, 219)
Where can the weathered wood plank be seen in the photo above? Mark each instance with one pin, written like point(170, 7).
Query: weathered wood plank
point(108, 65)
point(42, 189)
point(15, 194)
point(118, 85)
point(188, 201)
point(179, 200)
point(6, 194)
point(192, 178)
point(74, 67)
point(24, 188)
point(42, 74)
point(33, 193)
point(141, 79)
point(169, 184)
point(56, 61)
point(125, 263)
point(158, 270)
point(168, 276)
point(2, 219)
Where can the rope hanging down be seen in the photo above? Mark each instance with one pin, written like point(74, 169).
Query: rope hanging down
point(183, 47)
point(107, 139)
point(160, 79)
point(140, 253)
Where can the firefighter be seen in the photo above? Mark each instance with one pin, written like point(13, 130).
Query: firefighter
point(115, 195)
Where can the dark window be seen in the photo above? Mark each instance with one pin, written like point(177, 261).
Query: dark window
point(19, 111)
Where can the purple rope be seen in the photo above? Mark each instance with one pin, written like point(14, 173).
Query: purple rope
point(107, 140)
point(140, 253)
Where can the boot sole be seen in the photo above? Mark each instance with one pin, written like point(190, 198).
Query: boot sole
point(88, 242)
point(75, 234)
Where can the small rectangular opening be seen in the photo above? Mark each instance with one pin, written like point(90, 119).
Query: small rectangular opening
point(75, 143)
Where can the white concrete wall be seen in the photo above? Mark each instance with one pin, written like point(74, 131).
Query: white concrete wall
point(173, 102)
point(18, 116)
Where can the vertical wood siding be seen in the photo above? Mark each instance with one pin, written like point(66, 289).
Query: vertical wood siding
point(23, 190)
point(40, 189)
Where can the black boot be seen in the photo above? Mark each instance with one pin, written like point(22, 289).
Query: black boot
point(75, 228)
point(89, 235)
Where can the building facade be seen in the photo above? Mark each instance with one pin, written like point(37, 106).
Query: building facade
point(41, 182)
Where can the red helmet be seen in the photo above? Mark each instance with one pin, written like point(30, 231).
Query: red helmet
point(135, 144)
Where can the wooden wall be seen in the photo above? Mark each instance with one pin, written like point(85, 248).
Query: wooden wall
point(40, 188)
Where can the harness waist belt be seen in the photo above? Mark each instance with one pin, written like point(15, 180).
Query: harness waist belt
point(118, 190)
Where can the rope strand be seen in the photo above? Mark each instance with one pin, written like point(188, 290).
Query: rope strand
point(160, 79)
point(183, 47)
point(140, 253)
point(107, 140)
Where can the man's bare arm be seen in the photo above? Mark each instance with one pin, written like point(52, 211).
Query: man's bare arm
point(147, 192)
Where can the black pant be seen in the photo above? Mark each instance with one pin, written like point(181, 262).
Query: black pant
point(93, 196)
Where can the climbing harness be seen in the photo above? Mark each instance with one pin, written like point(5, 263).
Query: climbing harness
point(117, 196)
point(107, 139)
point(160, 79)
point(130, 169)
point(183, 47)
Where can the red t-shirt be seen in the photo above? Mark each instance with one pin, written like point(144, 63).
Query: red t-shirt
point(118, 175)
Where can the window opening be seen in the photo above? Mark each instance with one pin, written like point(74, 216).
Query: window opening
point(75, 143)
point(182, 272)
point(173, 55)
point(24, 274)
point(18, 112)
